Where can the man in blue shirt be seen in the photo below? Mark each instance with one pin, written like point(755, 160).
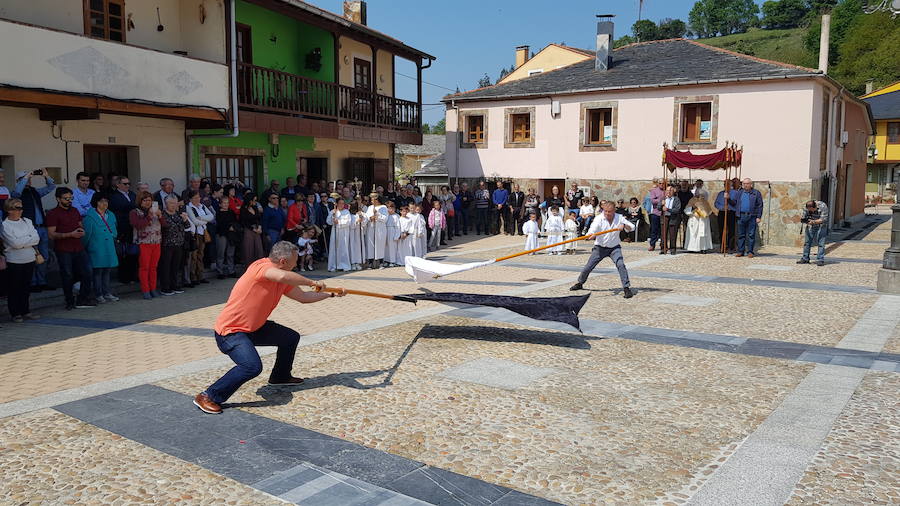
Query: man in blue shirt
point(501, 212)
point(749, 203)
point(34, 211)
point(81, 195)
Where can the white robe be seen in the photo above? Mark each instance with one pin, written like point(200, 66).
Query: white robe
point(420, 239)
point(339, 245)
point(571, 233)
point(358, 226)
point(376, 233)
point(554, 228)
point(531, 231)
point(393, 237)
point(698, 235)
point(405, 246)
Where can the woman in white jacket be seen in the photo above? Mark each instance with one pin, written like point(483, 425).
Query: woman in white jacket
point(19, 239)
point(199, 216)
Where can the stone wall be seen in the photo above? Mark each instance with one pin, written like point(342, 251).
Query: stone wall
point(781, 214)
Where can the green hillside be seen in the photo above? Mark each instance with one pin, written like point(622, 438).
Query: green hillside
point(779, 45)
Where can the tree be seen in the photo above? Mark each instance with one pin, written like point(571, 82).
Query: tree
point(709, 18)
point(784, 13)
point(671, 29)
point(440, 128)
point(644, 30)
point(624, 41)
point(869, 52)
point(505, 72)
point(426, 128)
point(485, 81)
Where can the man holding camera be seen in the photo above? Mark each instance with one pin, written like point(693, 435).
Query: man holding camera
point(815, 216)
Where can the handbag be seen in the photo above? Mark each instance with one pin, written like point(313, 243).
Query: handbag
point(206, 237)
point(38, 258)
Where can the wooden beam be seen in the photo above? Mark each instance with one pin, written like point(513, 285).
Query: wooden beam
point(32, 98)
point(66, 113)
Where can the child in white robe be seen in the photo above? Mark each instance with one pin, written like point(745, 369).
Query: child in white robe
point(376, 233)
point(358, 223)
point(571, 233)
point(405, 242)
point(421, 233)
point(339, 244)
point(553, 228)
point(532, 230)
point(393, 236)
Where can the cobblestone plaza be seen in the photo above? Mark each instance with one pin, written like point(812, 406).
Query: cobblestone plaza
point(723, 381)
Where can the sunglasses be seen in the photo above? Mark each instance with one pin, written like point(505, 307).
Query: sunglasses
point(16, 208)
point(126, 183)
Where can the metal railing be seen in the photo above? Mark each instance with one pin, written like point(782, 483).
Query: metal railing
point(270, 90)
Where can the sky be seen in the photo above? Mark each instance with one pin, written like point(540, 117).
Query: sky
point(474, 37)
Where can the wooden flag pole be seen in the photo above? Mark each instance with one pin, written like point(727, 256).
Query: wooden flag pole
point(366, 294)
point(582, 238)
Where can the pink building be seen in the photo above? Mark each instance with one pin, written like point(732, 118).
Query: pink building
point(602, 123)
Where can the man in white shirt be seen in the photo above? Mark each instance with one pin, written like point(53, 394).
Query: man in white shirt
point(81, 197)
point(607, 245)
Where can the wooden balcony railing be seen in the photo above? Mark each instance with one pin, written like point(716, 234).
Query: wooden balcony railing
point(265, 89)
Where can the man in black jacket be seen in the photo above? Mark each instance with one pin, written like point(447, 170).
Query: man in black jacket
point(516, 205)
point(121, 202)
point(671, 217)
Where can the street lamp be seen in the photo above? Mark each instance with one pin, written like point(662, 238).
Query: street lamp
point(889, 274)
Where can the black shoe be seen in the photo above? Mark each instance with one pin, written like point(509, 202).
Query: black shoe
point(672, 252)
point(576, 287)
point(48, 288)
point(35, 289)
point(204, 281)
point(70, 306)
point(803, 261)
point(291, 380)
point(820, 263)
point(86, 304)
point(221, 276)
point(627, 293)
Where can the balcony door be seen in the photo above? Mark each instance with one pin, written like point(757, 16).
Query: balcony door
point(105, 19)
point(244, 56)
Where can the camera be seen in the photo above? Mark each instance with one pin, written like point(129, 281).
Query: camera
point(38, 172)
point(804, 220)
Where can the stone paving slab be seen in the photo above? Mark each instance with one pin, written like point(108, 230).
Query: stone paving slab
point(259, 452)
point(621, 421)
point(50, 458)
point(859, 462)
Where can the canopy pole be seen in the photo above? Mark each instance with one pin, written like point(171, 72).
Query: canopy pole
point(725, 194)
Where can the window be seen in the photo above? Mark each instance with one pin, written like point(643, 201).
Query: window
point(696, 122)
point(599, 126)
point(893, 133)
point(105, 19)
point(521, 127)
point(535, 71)
point(475, 129)
point(362, 74)
point(223, 169)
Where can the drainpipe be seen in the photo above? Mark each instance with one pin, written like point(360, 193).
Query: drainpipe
point(456, 143)
point(232, 89)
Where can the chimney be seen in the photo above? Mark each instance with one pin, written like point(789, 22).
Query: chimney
point(355, 10)
point(870, 86)
point(522, 53)
point(824, 40)
point(604, 41)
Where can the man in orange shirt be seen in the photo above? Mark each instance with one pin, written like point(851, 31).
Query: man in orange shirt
point(244, 324)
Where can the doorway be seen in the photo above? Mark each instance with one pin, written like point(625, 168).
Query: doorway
point(548, 185)
point(106, 160)
point(315, 169)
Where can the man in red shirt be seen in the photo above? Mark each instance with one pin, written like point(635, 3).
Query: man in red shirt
point(64, 228)
point(244, 324)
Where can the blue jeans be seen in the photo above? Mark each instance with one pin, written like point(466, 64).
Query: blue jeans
point(241, 347)
point(598, 253)
point(69, 264)
point(462, 221)
point(101, 281)
point(815, 234)
point(40, 271)
point(746, 233)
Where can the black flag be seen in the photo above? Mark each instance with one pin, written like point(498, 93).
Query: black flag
point(554, 309)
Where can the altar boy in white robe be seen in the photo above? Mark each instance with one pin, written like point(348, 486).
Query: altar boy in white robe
point(421, 237)
point(554, 227)
point(376, 233)
point(531, 230)
point(407, 231)
point(393, 237)
point(339, 245)
point(358, 224)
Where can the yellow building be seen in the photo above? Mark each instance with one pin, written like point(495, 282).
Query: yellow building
point(550, 58)
point(883, 173)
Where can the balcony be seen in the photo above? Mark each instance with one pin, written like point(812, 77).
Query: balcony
point(36, 58)
point(267, 90)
